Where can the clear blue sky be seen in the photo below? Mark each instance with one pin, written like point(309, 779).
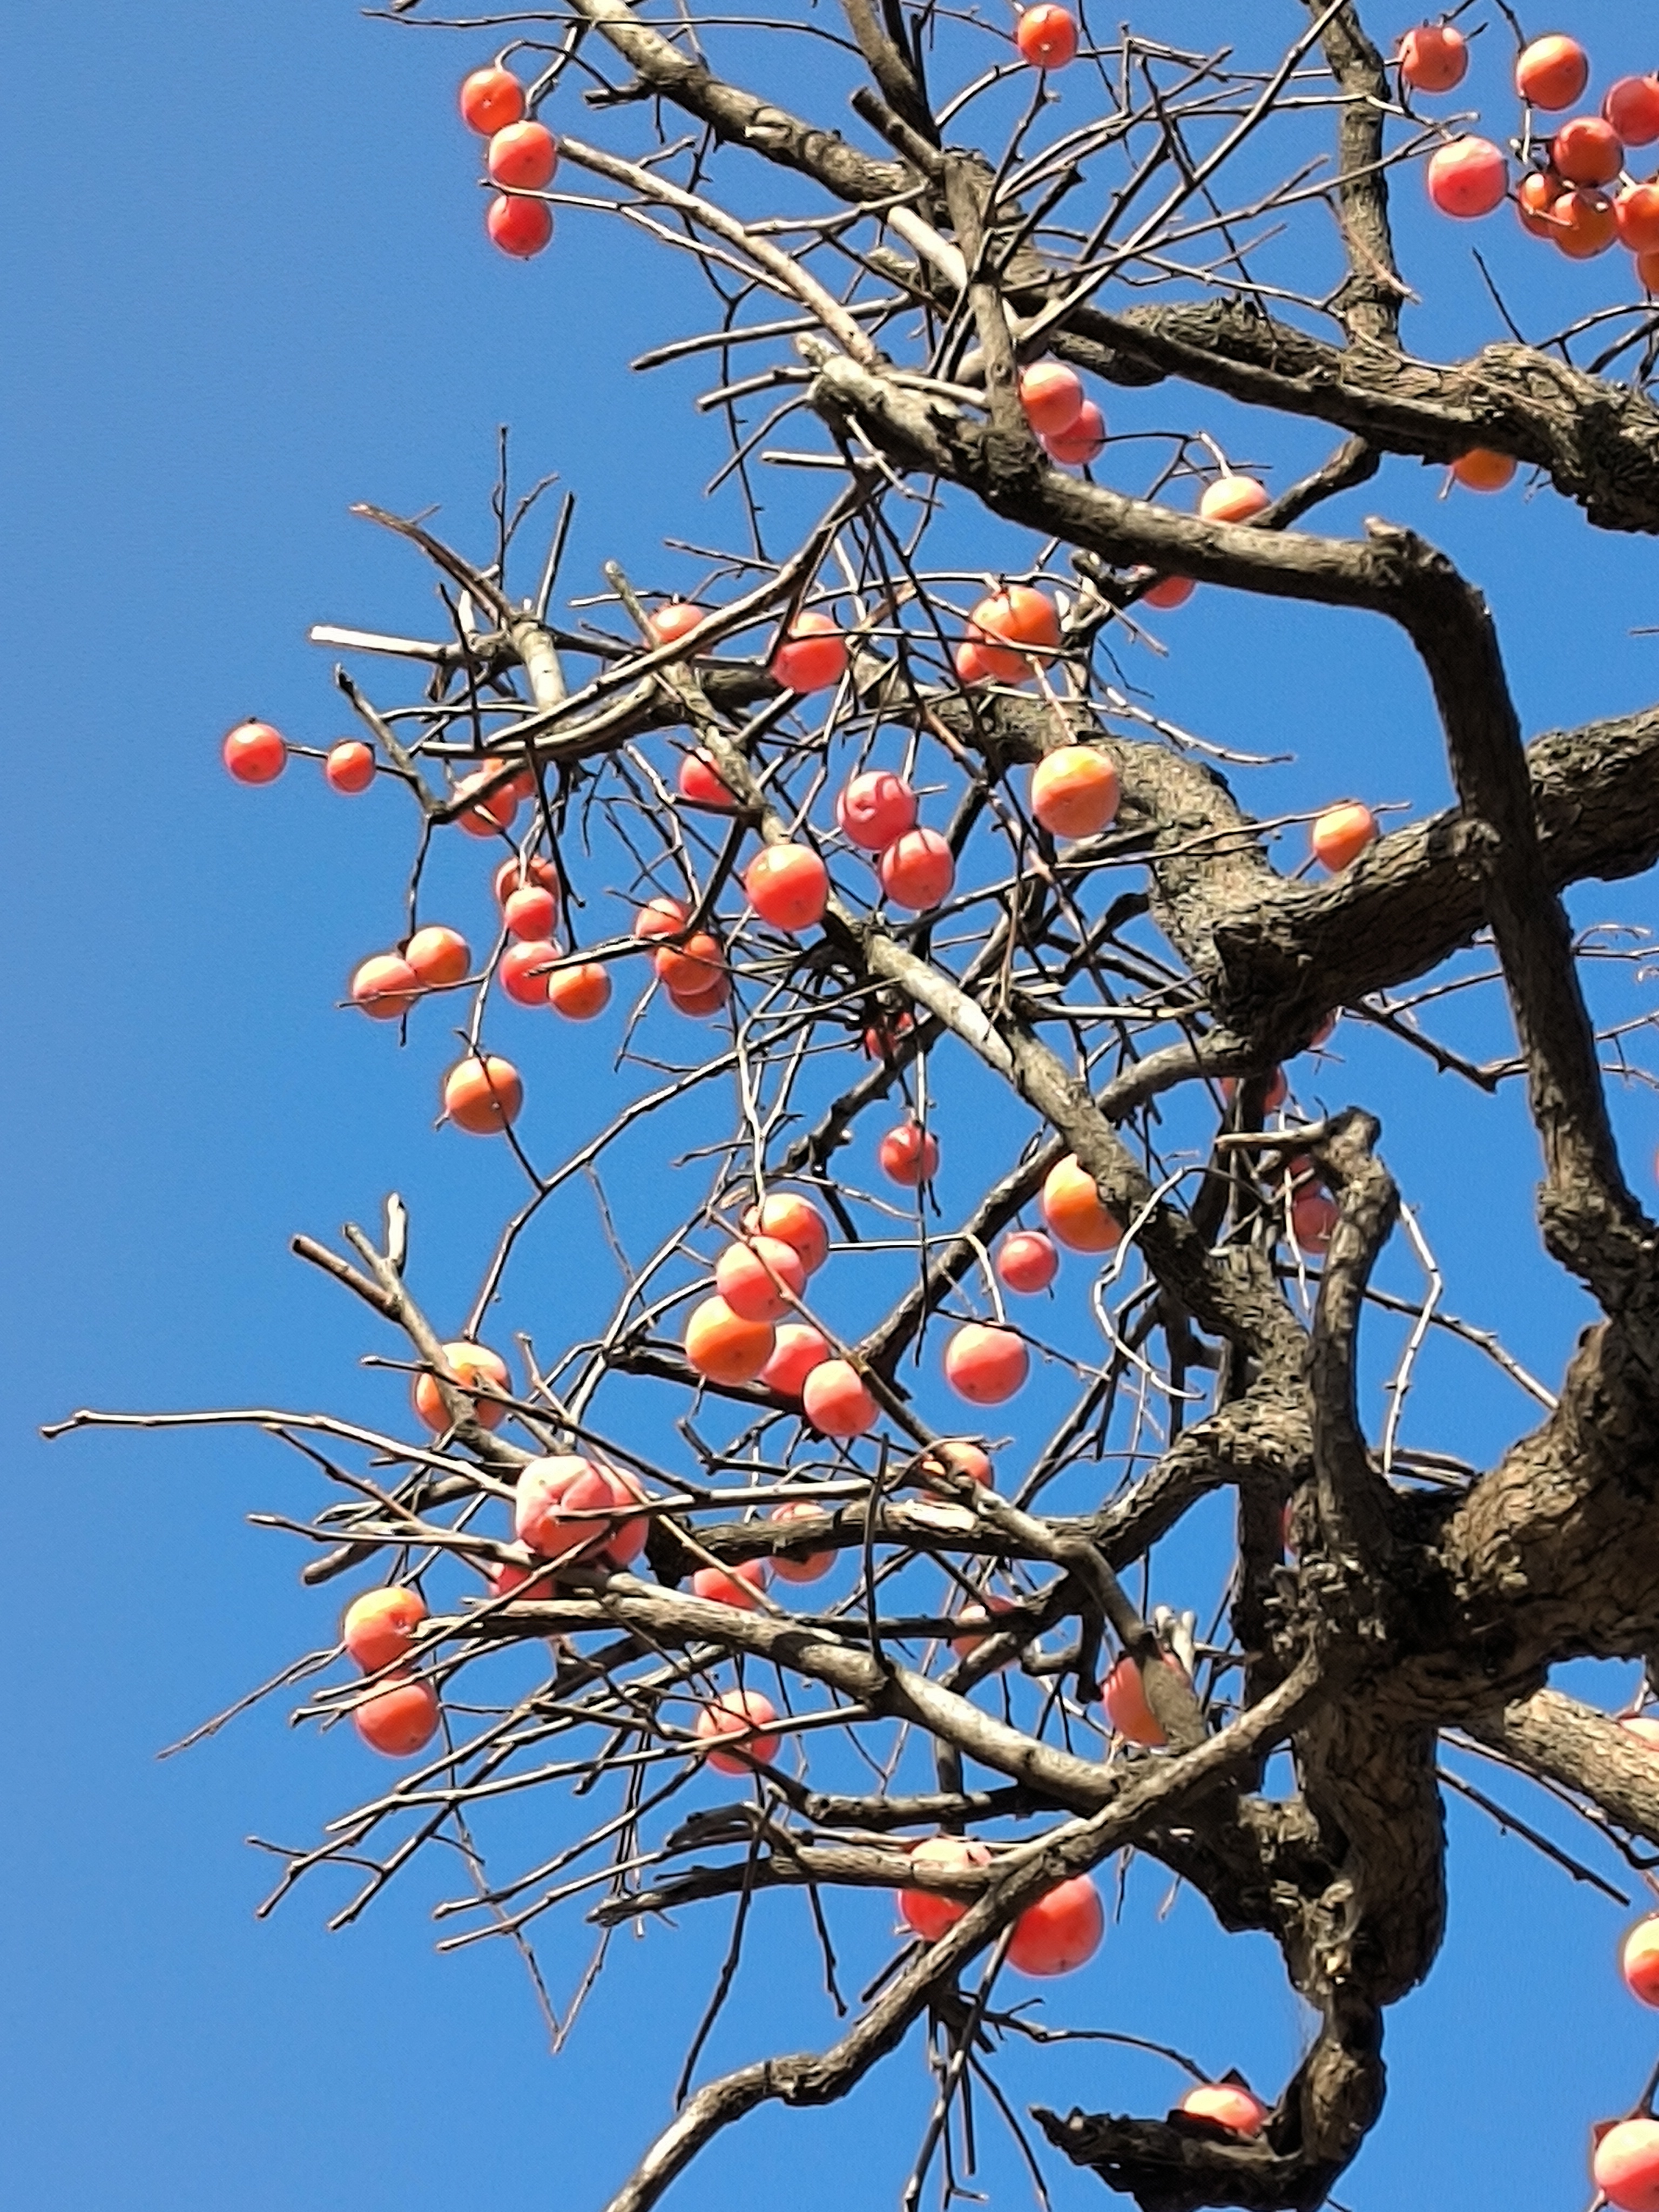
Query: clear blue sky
point(246, 285)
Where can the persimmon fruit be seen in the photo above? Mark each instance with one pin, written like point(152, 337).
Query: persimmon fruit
point(811, 657)
point(483, 1095)
point(1229, 2104)
point(568, 1505)
point(379, 1625)
point(1233, 499)
point(1075, 791)
point(1481, 470)
point(1027, 1261)
point(1051, 397)
point(1341, 834)
point(349, 767)
point(1632, 107)
point(1047, 37)
point(734, 1586)
point(759, 1278)
point(787, 886)
point(1625, 2165)
point(1071, 1206)
point(491, 99)
point(399, 1720)
point(580, 992)
point(253, 752)
point(467, 1366)
point(523, 157)
point(1434, 57)
point(723, 1346)
point(1587, 151)
point(519, 226)
point(797, 1349)
point(742, 1713)
point(929, 1912)
point(918, 870)
point(1083, 442)
point(793, 1220)
point(875, 810)
point(385, 986)
point(908, 1155)
point(438, 955)
point(985, 1364)
point(811, 1566)
point(530, 912)
point(834, 1401)
point(1552, 72)
point(1060, 1931)
point(1467, 176)
point(525, 970)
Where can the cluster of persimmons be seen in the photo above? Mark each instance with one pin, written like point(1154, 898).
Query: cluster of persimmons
point(1573, 188)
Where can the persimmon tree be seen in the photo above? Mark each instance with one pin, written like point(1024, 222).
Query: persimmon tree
point(866, 836)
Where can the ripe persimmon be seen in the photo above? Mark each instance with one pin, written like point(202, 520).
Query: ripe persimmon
point(874, 810)
point(568, 1506)
point(759, 1278)
point(1071, 1206)
point(800, 1348)
point(1075, 791)
point(812, 655)
point(1626, 2165)
point(515, 874)
point(1636, 211)
point(1051, 397)
point(661, 916)
point(834, 1401)
point(1229, 2104)
point(986, 1365)
point(1434, 57)
point(698, 780)
point(930, 1911)
point(519, 226)
point(482, 1094)
point(399, 1719)
point(1083, 442)
point(723, 1346)
point(690, 970)
point(1233, 499)
point(908, 1155)
point(745, 1714)
point(1018, 616)
point(524, 157)
point(385, 986)
point(349, 767)
point(1631, 106)
point(494, 809)
point(469, 1365)
point(1535, 202)
point(525, 971)
point(1169, 591)
point(793, 1220)
point(1061, 1932)
point(1126, 1702)
point(1552, 72)
point(253, 752)
point(580, 993)
point(787, 886)
point(677, 620)
point(918, 870)
point(379, 1625)
point(1587, 151)
point(1027, 1261)
point(529, 913)
point(1467, 176)
point(1047, 37)
point(734, 1586)
point(812, 1565)
point(1341, 834)
point(438, 955)
point(1482, 469)
point(490, 100)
